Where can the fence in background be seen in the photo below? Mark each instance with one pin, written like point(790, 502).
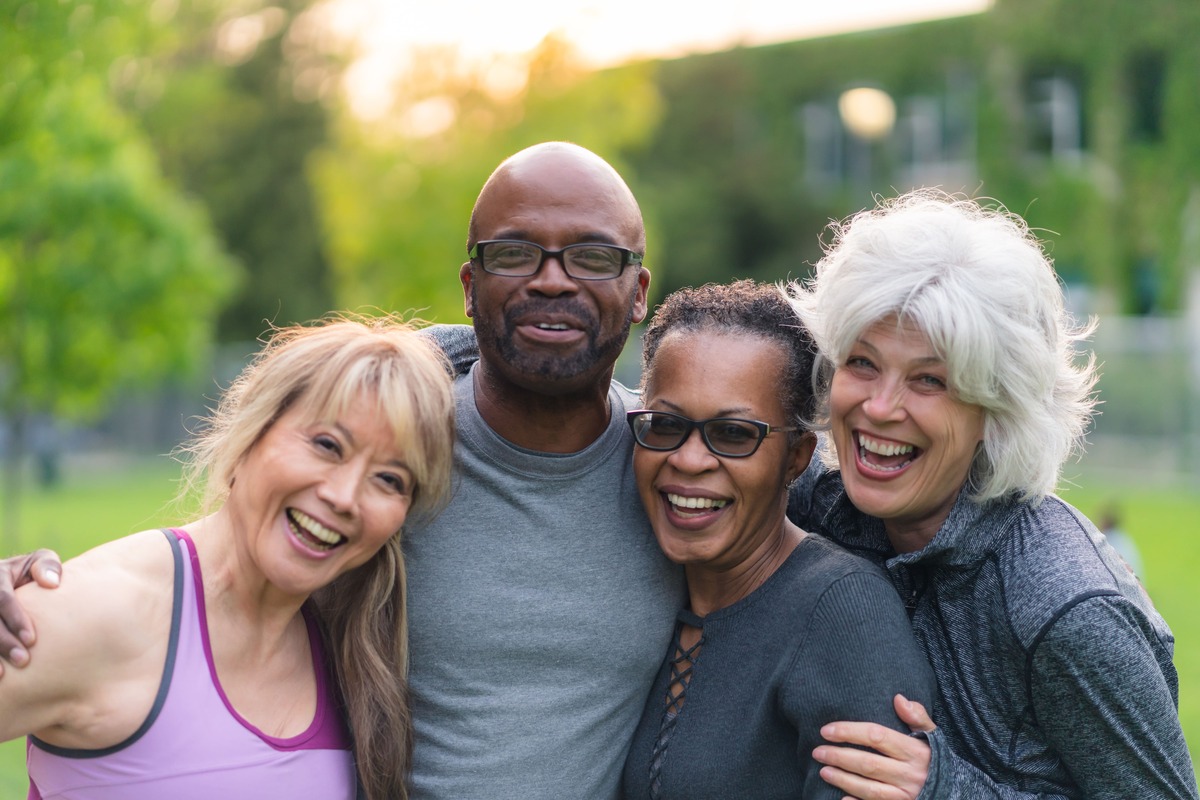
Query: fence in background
point(1148, 427)
point(1149, 420)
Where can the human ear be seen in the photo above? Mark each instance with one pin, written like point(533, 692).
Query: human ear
point(640, 304)
point(800, 455)
point(465, 276)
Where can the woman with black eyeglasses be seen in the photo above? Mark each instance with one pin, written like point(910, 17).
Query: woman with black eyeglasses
point(784, 632)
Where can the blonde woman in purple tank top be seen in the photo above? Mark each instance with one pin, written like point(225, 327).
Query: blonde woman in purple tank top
point(192, 663)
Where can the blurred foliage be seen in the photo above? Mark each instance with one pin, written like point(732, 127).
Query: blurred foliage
point(230, 99)
point(107, 274)
point(1120, 211)
point(108, 277)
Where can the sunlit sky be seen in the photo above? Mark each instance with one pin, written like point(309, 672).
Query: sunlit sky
point(604, 32)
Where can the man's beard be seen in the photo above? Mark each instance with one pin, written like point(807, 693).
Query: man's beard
point(547, 365)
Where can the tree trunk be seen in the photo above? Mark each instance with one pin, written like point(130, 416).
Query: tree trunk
point(14, 455)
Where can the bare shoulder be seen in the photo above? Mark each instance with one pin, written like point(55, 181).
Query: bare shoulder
point(105, 627)
point(132, 572)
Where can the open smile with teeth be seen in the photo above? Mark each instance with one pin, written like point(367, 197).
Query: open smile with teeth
point(311, 532)
point(885, 456)
point(553, 326)
point(694, 505)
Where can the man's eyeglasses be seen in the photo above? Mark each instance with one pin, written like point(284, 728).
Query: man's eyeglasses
point(730, 437)
point(583, 262)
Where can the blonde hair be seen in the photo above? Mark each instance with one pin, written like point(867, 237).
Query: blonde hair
point(322, 369)
point(980, 287)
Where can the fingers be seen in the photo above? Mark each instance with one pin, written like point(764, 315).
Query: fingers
point(16, 630)
point(17, 634)
point(913, 714)
point(870, 776)
point(893, 744)
point(859, 788)
point(45, 567)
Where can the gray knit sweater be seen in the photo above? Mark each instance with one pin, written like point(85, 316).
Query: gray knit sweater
point(1054, 670)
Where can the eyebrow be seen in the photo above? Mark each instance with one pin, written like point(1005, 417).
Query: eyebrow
point(586, 237)
point(395, 462)
point(738, 411)
point(922, 361)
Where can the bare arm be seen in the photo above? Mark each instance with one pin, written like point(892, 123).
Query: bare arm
point(17, 633)
point(95, 671)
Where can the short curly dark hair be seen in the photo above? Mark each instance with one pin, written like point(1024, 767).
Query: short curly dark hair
point(745, 307)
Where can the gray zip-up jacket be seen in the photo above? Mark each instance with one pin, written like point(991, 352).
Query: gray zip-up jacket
point(1054, 669)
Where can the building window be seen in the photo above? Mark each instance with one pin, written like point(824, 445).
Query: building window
point(1146, 78)
point(824, 144)
point(935, 136)
point(1054, 115)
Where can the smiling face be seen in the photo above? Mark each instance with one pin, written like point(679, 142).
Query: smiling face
point(314, 499)
point(905, 443)
point(549, 332)
point(710, 510)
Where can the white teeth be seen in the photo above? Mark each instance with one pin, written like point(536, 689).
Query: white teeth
point(883, 448)
point(558, 326)
point(695, 502)
point(314, 528)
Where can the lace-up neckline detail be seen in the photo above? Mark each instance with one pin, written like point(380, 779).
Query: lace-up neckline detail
point(682, 665)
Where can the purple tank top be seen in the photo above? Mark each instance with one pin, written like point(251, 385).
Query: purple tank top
point(193, 745)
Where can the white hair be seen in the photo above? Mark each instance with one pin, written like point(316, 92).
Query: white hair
point(979, 286)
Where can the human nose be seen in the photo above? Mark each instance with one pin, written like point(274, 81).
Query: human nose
point(885, 401)
point(693, 455)
point(552, 279)
point(340, 487)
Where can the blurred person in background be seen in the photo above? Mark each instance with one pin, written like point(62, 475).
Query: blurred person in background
point(190, 662)
point(952, 396)
point(1121, 541)
point(783, 631)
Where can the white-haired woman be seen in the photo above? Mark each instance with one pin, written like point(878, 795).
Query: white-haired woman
point(952, 396)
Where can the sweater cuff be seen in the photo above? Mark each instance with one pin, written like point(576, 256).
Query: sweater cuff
point(937, 758)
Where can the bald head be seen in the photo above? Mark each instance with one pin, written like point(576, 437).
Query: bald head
point(558, 174)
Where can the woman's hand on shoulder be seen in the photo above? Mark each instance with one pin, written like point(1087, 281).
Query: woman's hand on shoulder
point(896, 766)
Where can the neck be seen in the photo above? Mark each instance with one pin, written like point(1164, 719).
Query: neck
point(712, 588)
point(237, 596)
point(547, 423)
point(911, 538)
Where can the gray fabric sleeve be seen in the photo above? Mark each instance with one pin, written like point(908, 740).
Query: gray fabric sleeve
point(1105, 705)
point(859, 654)
point(952, 778)
point(458, 343)
point(1103, 700)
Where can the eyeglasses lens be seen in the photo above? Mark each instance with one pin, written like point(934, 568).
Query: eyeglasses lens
point(587, 261)
point(729, 437)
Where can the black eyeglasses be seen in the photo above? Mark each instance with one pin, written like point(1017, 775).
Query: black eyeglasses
point(730, 437)
point(588, 261)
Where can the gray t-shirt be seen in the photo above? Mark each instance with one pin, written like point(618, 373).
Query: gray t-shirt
point(539, 606)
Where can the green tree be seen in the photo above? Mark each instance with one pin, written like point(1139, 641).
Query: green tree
point(108, 277)
point(230, 98)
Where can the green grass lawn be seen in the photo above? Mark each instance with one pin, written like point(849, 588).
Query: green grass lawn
point(103, 501)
